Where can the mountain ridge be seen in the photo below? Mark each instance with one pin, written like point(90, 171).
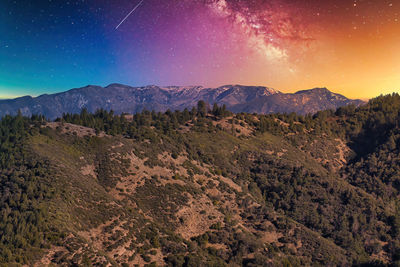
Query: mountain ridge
point(127, 99)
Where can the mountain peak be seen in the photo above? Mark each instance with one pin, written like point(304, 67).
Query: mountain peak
point(317, 90)
point(116, 85)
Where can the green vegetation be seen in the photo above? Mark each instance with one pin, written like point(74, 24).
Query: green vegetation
point(203, 187)
point(25, 225)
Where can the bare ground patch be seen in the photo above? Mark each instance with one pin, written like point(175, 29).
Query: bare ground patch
point(89, 170)
point(197, 217)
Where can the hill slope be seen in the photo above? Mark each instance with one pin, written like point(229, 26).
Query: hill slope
point(195, 189)
point(126, 99)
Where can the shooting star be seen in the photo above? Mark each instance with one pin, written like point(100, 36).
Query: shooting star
point(127, 16)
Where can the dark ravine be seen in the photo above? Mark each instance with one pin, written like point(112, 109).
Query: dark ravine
point(126, 99)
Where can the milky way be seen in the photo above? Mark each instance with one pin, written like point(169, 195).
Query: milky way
point(266, 26)
point(52, 45)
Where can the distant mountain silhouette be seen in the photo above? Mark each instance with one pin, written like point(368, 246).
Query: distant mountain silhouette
point(123, 98)
point(302, 102)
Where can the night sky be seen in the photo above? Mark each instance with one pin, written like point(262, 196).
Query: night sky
point(351, 47)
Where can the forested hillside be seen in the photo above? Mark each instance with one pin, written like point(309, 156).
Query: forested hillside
point(202, 187)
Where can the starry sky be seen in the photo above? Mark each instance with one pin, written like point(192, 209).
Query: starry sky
point(349, 46)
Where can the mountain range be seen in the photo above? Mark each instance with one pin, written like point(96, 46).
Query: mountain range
point(127, 99)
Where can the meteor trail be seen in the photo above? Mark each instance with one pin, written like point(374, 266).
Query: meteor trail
point(129, 14)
